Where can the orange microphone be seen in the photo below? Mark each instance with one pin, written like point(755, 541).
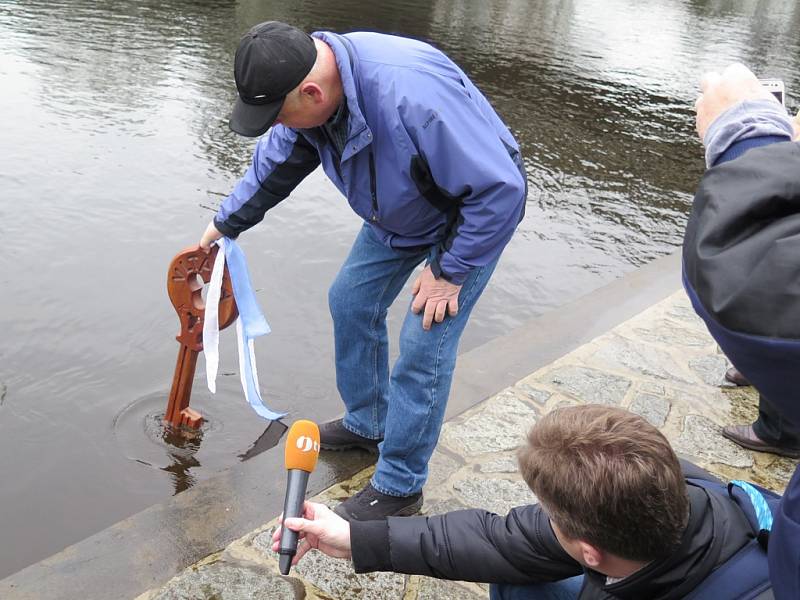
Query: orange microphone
point(302, 450)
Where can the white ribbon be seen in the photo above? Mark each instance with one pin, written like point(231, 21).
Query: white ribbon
point(211, 318)
point(250, 324)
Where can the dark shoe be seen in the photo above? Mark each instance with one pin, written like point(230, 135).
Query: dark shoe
point(735, 377)
point(747, 438)
point(370, 505)
point(333, 436)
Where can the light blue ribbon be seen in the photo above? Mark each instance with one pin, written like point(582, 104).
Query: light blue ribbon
point(763, 512)
point(252, 323)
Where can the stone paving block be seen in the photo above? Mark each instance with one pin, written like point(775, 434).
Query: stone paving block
point(440, 467)
point(652, 388)
point(701, 438)
point(653, 408)
point(220, 581)
point(779, 471)
point(589, 385)
point(336, 578)
point(501, 464)
point(443, 505)
point(501, 424)
point(673, 336)
point(640, 358)
point(679, 308)
point(496, 495)
point(711, 369)
point(534, 394)
point(437, 589)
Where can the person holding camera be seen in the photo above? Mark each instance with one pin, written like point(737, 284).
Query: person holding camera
point(618, 516)
point(741, 270)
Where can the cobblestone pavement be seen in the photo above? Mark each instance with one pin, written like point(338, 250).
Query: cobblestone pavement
point(661, 364)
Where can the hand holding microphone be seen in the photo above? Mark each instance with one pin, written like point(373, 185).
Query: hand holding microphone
point(321, 528)
point(302, 450)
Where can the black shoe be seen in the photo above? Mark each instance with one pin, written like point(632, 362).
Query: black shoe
point(333, 436)
point(370, 505)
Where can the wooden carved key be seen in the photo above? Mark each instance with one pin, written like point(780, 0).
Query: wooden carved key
point(187, 272)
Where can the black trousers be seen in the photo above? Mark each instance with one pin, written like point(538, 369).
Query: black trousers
point(772, 428)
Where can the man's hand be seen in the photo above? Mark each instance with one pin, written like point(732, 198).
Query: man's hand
point(210, 235)
point(436, 296)
point(736, 84)
point(321, 528)
point(796, 123)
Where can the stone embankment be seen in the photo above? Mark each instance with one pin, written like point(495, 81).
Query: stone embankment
point(661, 364)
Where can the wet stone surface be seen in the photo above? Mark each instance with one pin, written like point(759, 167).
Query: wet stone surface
point(653, 408)
point(336, 578)
point(440, 467)
point(500, 425)
point(701, 438)
point(652, 388)
point(502, 464)
point(641, 358)
point(675, 336)
point(496, 495)
point(589, 385)
point(436, 589)
point(221, 581)
point(534, 394)
point(711, 368)
point(682, 310)
point(441, 506)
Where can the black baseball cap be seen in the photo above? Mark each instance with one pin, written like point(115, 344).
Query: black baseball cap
point(271, 60)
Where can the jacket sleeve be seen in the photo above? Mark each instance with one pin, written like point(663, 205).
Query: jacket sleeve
point(469, 164)
point(465, 545)
point(281, 160)
point(746, 120)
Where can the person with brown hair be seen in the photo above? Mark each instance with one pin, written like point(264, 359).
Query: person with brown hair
point(618, 516)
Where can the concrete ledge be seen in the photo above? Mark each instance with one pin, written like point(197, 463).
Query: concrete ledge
point(146, 550)
point(505, 360)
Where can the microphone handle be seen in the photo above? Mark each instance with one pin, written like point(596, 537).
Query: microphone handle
point(296, 484)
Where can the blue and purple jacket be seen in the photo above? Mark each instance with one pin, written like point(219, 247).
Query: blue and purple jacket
point(427, 161)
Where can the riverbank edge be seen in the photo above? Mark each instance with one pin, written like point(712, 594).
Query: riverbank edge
point(147, 549)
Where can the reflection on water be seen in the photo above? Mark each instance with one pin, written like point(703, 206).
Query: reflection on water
point(115, 153)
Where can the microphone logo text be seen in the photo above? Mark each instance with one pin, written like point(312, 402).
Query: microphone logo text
point(305, 444)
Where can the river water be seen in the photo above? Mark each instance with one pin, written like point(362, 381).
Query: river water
point(115, 151)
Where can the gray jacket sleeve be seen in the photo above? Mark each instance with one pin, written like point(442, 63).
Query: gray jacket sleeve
point(745, 120)
point(465, 545)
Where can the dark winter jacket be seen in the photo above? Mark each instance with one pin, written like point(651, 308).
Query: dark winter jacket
point(741, 270)
point(475, 545)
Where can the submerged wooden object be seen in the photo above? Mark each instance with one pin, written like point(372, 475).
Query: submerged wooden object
point(188, 272)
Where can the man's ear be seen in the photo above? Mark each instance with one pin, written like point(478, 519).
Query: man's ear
point(312, 91)
point(592, 555)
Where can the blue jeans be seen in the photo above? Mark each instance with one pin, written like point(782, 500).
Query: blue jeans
point(406, 408)
point(566, 589)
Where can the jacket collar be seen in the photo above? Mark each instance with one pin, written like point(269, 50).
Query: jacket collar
point(680, 572)
point(359, 135)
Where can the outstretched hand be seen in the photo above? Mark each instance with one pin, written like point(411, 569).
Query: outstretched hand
point(321, 528)
point(436, 296)
point(719, 92)
point(210, 235)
